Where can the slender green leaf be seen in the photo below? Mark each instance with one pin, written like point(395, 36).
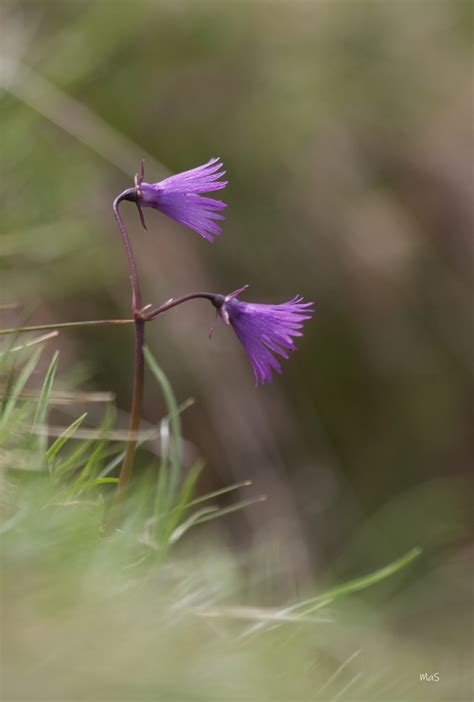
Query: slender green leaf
point(43, 401)
point(97, 481)
point(57, 445)
point(207, 513)
point(176, 516)
point(73, 459)
point(116, 461)
point(175, 422)
point(18, 386)
point(221, 491)
point(33, 342)
point(192, 521)
point(42, 406)
point(162, 505)
point(358, 583)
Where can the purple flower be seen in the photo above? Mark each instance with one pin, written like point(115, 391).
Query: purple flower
point(180, 198)
point(265, 330)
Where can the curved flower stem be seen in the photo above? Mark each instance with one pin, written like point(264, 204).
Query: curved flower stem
point(136, 294)
point(175, 301)
point(139, 317)
point(138, 375)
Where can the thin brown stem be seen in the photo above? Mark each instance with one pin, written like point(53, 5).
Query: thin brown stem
point(138, 375)
point(135, 411)
point(136, 294)
point(175, 301)
point(140, 318)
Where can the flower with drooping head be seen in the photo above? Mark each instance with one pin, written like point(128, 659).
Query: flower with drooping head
point(180, 197)
point(264, 330)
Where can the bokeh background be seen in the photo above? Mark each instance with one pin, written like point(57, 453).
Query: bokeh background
point(346, 131)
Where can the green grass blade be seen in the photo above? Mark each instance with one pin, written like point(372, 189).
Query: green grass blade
point(161, 502)
point(6, 351)
point(175, 422)
point(116, 461)
point(18, 386)
point(359, 583)
point(192, 521)
point(42, 406)
point(93, 483)
point(57, 445)
point(176, 516)
point(207, 513)
point(92, 467)
point(82, 479)
point(19, 418)
point(33, 342)
point(312, 604)
point(73, 460)
point(43, 401)
point(221, 491)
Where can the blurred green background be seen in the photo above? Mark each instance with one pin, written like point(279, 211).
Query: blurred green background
point(346, 131)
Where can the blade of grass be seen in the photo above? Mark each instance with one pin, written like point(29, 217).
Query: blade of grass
point(65, 325)
point(81, 480)
point(92, 465)
point(207, 513)
point(6, 351)
point(72, 461)
point(176, 516)
point(175, 422)
point(184, 503)
point(112, 464)
point(221, 491)
point(18, 386)
point(97, 481)
point(33, 342)
point(314, 603)
point(64, 437)
point(162, 506)
point(359, 583)
point(43, 401)
point(190, 522)
point(19, 418)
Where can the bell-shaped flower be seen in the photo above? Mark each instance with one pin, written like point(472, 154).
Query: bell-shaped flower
point(180, 197)
point(265, 331)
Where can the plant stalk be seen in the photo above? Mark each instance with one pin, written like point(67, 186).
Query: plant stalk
point(136, 294)
point(135, 410)
point(175, 301)
point(139, 370)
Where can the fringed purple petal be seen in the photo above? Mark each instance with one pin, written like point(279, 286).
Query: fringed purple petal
point(198, 180)
point(179, 197)
point(184, 209)
point(266, 330)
